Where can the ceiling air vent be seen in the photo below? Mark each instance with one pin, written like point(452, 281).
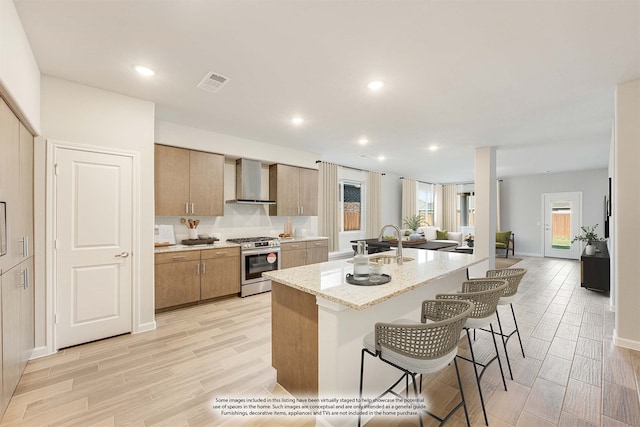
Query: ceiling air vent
point(213, 82)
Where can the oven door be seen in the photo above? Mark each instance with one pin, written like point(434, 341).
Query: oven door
point(258, 261)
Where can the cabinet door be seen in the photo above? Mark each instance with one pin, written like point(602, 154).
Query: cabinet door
point(11, 331)
point(308, 192)
point(206, 184)
point(177, 283)
point(25, 230)
point(9, 175)
point(171, 181)
point(317, 251)
point(284, 188)
point(27, 325)
point(293, 254)
point(220, 277)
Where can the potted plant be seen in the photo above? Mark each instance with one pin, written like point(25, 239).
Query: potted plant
point(469, 239)
point(590, 236)
point(413, 222)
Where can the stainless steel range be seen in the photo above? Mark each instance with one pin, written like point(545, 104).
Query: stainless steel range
point(257, 255)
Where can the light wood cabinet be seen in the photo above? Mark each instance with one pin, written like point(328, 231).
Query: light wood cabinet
point(295, 254)
point(294, 189)
point(16, 267)
point(220, 272)
point(17, 325)
point(185, 277)
point(177, 278)
point(188, 182)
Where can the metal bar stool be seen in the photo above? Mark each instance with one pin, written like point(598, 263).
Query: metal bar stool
point(513, 276)
point(485, 294)
point(419, 348)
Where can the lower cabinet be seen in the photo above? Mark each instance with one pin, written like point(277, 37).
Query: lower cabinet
point(220, 272)
point(17, 326)
point(595, 270)
point(190, 276)
point(295, 254)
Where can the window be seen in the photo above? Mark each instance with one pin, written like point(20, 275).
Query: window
point(351, 207)
point(425, 203)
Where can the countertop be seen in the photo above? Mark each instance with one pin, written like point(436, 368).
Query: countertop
point(327, 279)
point(301, 239)
point(180, 248)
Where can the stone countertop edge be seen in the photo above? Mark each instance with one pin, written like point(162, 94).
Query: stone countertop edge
point(291, 277)
point(203, 247)
point(301, 239)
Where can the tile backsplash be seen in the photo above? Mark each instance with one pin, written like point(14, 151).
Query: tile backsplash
point(242, 221)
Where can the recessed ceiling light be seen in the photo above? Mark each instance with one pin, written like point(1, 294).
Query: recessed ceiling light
point(381, 158)
point(433, 147)
point(297, 120)
point(363, 141)
point(375, 85)
point(147, 72)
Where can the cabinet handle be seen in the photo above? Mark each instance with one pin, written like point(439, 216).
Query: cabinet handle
point(192, 207)
point(178, 257)
point(221, 253)
point(197, 269)
point(25, 246)
point(26, 278)
point(301, 210)
point(186, 208)
point(204, 268)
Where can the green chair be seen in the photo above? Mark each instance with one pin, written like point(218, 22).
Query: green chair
point(502, 242)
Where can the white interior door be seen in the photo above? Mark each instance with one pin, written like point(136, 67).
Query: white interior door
point(562, 217)
point(93, 240)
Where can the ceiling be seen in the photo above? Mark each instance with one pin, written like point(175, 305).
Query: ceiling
point(535, 79)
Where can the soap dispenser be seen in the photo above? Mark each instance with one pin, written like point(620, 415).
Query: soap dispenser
point(361, 262)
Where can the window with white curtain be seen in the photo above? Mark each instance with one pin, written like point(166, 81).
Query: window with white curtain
point(425, 203)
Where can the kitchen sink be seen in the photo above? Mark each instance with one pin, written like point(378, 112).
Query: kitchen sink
point(385, 259)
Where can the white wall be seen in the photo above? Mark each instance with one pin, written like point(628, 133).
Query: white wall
point(84, 115)
point(19, 72)
point(521, 204)
point(626, 211)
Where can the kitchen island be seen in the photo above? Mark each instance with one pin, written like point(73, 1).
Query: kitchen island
point(319, 320)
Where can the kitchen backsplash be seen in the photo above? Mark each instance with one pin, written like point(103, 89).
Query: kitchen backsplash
point(242, 221)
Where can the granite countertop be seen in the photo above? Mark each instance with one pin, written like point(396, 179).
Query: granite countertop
point(179, 248)
point(302, 239)
point(327, 279)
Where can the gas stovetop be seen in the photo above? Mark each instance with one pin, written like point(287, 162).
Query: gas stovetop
point(256, 242)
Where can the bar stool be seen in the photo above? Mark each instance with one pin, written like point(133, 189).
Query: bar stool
point(513, 276)
point(419, 348)
point(485, 294)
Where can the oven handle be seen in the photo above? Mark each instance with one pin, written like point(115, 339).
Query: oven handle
point(261, 251)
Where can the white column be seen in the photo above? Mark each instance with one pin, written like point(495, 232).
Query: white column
point(486, 205)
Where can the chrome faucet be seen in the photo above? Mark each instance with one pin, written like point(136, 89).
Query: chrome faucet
point(399, 248)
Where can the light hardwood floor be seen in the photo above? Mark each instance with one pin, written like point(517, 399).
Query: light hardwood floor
point(572, 374)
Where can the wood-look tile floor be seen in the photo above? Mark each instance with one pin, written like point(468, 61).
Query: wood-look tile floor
point(572, 374)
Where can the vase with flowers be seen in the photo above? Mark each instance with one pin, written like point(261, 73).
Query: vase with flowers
point(469, 239)
point(590, 236)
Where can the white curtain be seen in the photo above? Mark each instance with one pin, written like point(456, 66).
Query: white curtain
point(328, 224)
point(449, 218)
point(438, 203)
point(409, 196)
point(374, 204)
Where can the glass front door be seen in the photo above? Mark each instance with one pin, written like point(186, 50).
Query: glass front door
point(562, 218)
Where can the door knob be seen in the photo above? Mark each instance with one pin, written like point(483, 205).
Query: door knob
point(123, 254)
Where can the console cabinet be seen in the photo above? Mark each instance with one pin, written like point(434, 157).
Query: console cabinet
point(188, 182)
point(294, 189)
point(187, 277)
point(595, 270)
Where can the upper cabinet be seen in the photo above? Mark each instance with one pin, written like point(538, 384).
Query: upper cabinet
point(188, 182)
point(294, 189)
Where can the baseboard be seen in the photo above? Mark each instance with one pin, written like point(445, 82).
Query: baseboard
point(519, 254)
point(623, 342)
point(145, 327)
point(39, 352)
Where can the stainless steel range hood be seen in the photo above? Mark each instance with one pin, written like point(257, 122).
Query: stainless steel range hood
point(249, 183)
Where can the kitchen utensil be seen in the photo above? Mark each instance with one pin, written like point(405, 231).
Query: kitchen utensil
point(196, 222)
point(190, 223)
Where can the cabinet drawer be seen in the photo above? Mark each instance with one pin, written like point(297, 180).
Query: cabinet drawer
point(292, 246)
point(168, 257)
point(318, 244)
point(219, 253)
